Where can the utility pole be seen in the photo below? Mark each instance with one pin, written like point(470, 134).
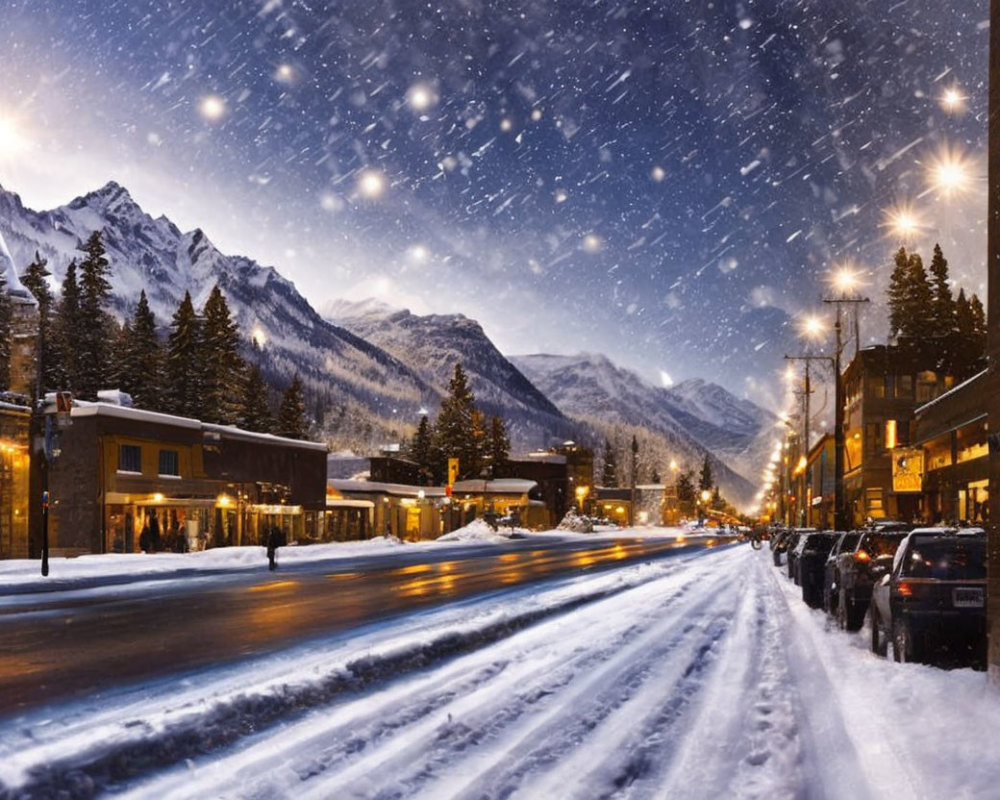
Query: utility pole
point(804, 459)
point(840, 520)
point(993, 345)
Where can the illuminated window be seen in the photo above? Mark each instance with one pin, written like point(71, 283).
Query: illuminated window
point(891, 438)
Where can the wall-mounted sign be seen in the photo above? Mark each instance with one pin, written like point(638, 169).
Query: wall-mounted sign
point(907, 469)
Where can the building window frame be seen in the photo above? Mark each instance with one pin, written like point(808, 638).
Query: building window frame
point(130, 459)
point(169, 464)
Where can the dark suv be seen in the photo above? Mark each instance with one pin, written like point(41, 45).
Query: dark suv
point(810, 558)
point(857, 571)
point(831, 572)
point(792, 552)
point(932, 604)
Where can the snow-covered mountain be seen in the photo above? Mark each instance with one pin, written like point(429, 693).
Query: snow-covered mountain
point(373, 371)
point(431, 346)
point(738, 431)
point(690, 419)
point(366, 389)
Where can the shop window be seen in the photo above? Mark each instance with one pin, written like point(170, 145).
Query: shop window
point(129, 458)
point(169, 463)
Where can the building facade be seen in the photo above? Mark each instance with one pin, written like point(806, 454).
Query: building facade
point(951, 470)
point(882, 388)
point(128, 480)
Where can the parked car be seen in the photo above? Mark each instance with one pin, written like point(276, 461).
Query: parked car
point(810, 559)
point(779, 544)
point(875, 548)
point(831, 572)
point(931, 605)
point(799, 533)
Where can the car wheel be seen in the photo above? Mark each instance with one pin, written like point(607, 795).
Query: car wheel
point(902, 642)
point(855, 616)
point(880, 646)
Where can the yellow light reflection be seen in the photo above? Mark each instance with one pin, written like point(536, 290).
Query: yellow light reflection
point(276, 585)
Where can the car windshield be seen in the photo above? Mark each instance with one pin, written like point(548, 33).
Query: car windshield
point(849, 542)
point(946, 560)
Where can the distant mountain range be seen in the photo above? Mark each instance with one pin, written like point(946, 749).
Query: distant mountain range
point(372, 369)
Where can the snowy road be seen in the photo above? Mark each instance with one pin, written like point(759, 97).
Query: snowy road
point(698, 677)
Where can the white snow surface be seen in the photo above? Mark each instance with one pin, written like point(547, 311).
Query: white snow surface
point(697, 676)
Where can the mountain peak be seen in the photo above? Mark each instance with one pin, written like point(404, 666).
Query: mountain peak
point(111, 198)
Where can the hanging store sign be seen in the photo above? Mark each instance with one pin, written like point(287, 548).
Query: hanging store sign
point(907, 469)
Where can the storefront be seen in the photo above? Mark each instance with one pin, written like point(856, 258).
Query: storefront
point(127, 480)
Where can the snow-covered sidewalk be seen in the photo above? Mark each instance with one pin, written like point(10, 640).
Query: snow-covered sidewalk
point(697, 676)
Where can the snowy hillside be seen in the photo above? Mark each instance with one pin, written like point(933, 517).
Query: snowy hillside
point(739, 432)
point(591, 389)
point(432, 345)
point(358, 379)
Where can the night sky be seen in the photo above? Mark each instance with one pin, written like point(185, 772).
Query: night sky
point(670, 184)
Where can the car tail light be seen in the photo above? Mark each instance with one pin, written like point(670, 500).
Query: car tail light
point(862, 555)
point(904, 589)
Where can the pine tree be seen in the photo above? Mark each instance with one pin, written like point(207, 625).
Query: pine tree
point(34, 280)
point(685, 487)
point(67, 323)
point(965, 326)
point(978, 341)
point(292, 413)
point(943, 302)
point(94, 367)
point(142, 357)
point(705, 479)
point(6, 334)
point(918, 304)
point(421, 448)
point(223, 368)
point(497, 445)
point(897, 292)
point(609, 472)
point(182, 394)
point(456, 430)
point(255, 413)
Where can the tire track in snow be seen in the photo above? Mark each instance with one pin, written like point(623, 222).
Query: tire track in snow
point(143, 749)
point(624, 687)
point(496, 714)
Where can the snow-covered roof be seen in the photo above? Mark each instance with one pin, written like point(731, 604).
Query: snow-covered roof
point(498, 486)
point(377, 487)
point(86, 408)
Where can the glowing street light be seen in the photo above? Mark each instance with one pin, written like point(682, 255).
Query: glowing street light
point(950, 173)
point(953, 101)
point(212, 107)
point(903, 222)
point(813, 327)
point(371, 184)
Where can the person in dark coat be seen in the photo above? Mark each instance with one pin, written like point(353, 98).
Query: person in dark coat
point(145, 540)
point(154, 532)
point(274, 541)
